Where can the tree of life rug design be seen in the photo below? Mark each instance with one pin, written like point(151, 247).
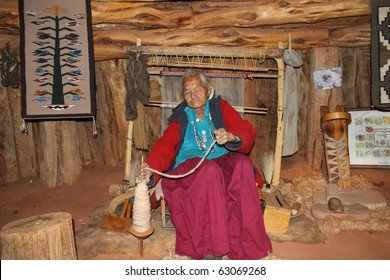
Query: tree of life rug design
point(56, 59)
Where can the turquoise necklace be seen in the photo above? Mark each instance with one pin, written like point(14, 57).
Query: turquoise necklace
point(201, 141)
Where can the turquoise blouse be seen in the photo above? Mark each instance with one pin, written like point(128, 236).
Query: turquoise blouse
point(198, 138)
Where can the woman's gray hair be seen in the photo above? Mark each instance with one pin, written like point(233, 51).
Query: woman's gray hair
point(189, 73)
point(192, 73)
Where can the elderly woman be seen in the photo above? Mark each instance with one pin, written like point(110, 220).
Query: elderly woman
point(216, 210)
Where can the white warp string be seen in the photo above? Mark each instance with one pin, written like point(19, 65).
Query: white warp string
point(189, 172)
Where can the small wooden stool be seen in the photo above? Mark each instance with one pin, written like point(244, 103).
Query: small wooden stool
point(42, 237)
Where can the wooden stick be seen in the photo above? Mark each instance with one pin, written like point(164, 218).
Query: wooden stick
point(176, 103)
point(280, 126)
point(209, 51)
point(128, 212)
point(129, 147)
point(141, 248)
point(211, 75)
point(248, 110)
point(204, 65)
point(124, 208)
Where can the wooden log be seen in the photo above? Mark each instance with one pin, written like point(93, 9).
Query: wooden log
point(171, 14)
point(83, 130)
point(143, 15)
point(42, 237)
point(356, 77)
point(70, 166)
point(141, 139)
point(280, 125)
point(332, 23)
point(110, 44)
point(342, 37)
point(250, 99)
point(236, 13)
point(114, 72)
point(363, 77)
point(37, 143)
point(50, 147)
point(303, 98)
point(106, 140)
point(267, 97)
point(208, 51)
point(350, 59)
point(153, 113)
point(321, 58)
point(24, 142)
point(8, 156)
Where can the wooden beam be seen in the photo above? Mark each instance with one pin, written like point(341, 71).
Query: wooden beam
point(280, 126)
point(208, 51)
point(202, 14)
point(143, 15)
point(110, 44)
point(321, 58)
point(360, 36)
point(264, 13)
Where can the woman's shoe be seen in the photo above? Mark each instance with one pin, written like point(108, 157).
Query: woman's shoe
point(211, 257)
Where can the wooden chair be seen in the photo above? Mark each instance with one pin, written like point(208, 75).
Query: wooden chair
point(157, 200)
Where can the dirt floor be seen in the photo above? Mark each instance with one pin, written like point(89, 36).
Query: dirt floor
point(88, 198)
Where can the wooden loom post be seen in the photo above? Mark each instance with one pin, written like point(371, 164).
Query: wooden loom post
point(279, 129)
point(129, 146)
point(129, 138)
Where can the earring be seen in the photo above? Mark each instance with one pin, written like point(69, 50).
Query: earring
point(211, 93)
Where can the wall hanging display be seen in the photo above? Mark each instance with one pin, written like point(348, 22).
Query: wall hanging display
point(369, 138)
point(380, 54)
point(328, 78)
point(56, 59)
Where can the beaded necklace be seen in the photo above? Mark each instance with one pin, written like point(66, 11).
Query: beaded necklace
point(202, 141)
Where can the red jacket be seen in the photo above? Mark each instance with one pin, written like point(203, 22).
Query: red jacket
point(164, 151)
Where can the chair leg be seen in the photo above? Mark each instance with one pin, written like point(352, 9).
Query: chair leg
point(165, 215)
point(162, 207)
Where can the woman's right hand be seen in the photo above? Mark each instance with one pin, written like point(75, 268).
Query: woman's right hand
point(142, 173)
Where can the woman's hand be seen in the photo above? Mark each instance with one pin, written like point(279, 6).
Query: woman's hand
point(223, 136)
point(141, 173)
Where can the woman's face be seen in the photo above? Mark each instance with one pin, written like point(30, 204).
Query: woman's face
point(195, 93)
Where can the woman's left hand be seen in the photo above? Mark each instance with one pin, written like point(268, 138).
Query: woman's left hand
point(222, 136)
point(142, 173)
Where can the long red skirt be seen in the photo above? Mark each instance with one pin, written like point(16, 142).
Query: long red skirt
point(216, 210)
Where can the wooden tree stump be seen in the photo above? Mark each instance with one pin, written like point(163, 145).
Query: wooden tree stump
point(42, 237)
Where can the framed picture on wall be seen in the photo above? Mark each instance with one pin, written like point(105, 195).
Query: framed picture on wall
point(369, 138)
